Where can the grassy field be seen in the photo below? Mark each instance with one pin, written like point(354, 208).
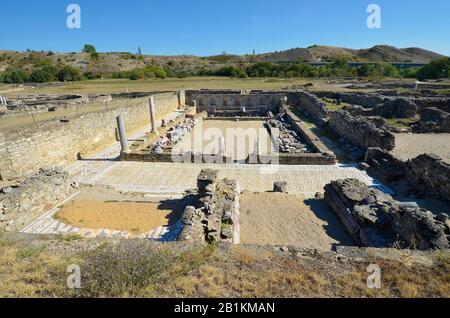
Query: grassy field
point(170, 84)
point(26, 119)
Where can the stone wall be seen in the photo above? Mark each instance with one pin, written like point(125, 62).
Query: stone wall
point(363, 99)
point(430, 175)
point(360, 131)
point(396, 108)
point(233, 101)
point(24, 151)
point(442, 103)
point(385, 166)
point(374, 219)
point(218, 214)
point(21, 203)
point(433, 120)
point(310, 105)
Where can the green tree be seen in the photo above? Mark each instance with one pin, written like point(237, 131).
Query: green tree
point(89, 48)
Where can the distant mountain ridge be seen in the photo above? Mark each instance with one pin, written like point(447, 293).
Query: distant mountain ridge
point(378, 53)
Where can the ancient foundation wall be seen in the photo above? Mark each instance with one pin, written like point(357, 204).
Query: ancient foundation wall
point(430, 175)
point(233, 101)
point(24, 151)
point(22, 203)
point(362, 99)
point(360, 131)
point(310, 105)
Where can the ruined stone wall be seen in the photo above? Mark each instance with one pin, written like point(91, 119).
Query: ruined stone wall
point(375, 219)
point(24, 151)
point(442, 103)
point(433, 120)
point(310, 105)
point(363, 99)
point(22, 203)
point(430, 175)
point(217, 217)
point(232, 101)
point(360, 131)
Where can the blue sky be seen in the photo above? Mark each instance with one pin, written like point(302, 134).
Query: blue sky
point(207, 27)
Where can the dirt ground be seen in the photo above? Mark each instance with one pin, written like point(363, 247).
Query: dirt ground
point(110, 210)
point(281, 219)
point(205, 138)
point(409, 146)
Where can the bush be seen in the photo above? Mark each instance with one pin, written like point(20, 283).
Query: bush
point(435, 70)
point(15, 77)
point(69, 74)
point(125, 268)
point(42, 76)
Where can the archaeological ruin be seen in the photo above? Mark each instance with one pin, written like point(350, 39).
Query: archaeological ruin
point(293, 167)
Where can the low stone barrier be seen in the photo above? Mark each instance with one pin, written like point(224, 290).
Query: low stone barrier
point(360, 131)
point(375, 219)
point(433, 120)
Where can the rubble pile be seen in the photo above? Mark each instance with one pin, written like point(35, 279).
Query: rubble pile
point(288, 140)
point(173, 136)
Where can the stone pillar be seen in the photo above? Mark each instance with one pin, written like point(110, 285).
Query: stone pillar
point(221, 146)
point(122, 133)
point(152, 113)
point(194, 102)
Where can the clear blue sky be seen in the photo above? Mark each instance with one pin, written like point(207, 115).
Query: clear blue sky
point(207, 27)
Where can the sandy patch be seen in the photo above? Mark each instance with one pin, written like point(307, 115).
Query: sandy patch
point(99, 208)
point(408, 146)
point(281, 219)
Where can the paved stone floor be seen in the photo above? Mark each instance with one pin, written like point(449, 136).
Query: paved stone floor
point(170, 180)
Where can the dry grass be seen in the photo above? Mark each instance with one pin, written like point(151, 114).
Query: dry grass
point(210, 272)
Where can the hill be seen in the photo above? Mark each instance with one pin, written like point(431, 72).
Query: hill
point(378, 53)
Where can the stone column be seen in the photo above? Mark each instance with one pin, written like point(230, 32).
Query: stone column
point(153, 113)
point(122, 133)
point(221, 146)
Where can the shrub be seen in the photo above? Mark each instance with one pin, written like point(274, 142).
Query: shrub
point(435, 70)
point(41, 76)
point(15, 76)
point(69, 74)
point(125, 268)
